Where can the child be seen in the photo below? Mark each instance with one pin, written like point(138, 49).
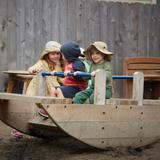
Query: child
point(71, 85)
point(100, 57)
point(51, 59)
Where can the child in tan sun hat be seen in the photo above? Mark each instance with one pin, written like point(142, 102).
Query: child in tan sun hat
point(100, 58)
point(51, 59)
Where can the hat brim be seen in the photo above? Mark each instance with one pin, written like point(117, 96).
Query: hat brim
point(87, 51)
point(45, 52)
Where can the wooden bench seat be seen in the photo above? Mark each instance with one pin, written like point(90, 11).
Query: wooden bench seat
point(150, 66)
point(35, 99)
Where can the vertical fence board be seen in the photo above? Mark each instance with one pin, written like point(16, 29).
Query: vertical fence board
point(3, 35)
point(3, 42)
point(55, 32)
point(29, 34)
point(11, 33)
point(20, 15)
point(63, 13)
point(38, 37)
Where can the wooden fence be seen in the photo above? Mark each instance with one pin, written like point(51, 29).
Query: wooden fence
point(26, 25)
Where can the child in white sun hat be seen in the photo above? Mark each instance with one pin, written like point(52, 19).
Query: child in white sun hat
point(51, 59)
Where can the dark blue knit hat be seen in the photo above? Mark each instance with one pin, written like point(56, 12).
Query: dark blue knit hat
point(71, 51)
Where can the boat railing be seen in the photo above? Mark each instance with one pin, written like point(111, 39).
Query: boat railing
point(100, 84)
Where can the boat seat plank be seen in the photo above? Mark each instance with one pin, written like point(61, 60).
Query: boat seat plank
point(34, 99)
point(41, 121)
point(119, 101)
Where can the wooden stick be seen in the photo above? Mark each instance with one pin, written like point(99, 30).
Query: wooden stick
point(100, 87)
point(138, 85)
point(41, 84)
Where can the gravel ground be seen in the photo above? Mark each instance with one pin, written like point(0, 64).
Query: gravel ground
point(30, 148)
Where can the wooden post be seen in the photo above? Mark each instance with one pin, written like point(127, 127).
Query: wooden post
point(41, 84)
point(138, 85)
point(100, 87)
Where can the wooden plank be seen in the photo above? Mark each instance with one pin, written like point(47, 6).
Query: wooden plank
point(11, 34)
point(153, 32)
point(3, 43)
point(148, 65)
point(33, 99)
point(143, 36)
point(20, 29)
point(119, 101)
point(29, 34)
point(39, 42)
point(41, 85)
point(46, 20)
point(108, 126)
point(18, 114)
point(18, 72)
point(146, 72)
point(55, 20)
point(105, 113)
point(71, 21)
point(100, 90)
point(151, 102)
point(63, 17)
point(141, 59)
point(144, 66)
point(3, 35)
point(41, 121)
point(138, 87)
point(79, 21)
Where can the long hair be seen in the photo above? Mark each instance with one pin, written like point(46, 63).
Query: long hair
point(52, 64)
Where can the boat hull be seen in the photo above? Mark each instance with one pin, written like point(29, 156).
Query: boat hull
point(22, 115)
point(104, 126)
point(118, 123)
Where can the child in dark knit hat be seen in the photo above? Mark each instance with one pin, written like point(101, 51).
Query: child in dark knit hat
point(71, 85)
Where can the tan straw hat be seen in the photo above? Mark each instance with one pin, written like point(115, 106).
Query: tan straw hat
point(51, 46)
point(100, 46)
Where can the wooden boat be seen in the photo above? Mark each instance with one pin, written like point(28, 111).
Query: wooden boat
point(107, 123)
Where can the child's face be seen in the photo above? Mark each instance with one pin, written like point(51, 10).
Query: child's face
point(54, 56)
point(97, 57)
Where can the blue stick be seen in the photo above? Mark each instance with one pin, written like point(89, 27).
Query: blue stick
point(61, 74)
point(122, 77)
point(83, 74)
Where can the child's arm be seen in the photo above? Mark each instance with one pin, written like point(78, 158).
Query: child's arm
point(78, 66)
point(37, 67)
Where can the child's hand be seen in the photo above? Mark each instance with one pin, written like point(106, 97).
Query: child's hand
point(94, 72)
point(66, 72)
point(32, 70)
point(39, 70)
point(53, 73)
point(76, 73)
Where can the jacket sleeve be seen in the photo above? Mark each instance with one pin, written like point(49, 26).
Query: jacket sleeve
point(36, 67)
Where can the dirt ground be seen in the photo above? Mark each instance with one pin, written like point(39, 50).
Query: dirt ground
point(30, 148)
